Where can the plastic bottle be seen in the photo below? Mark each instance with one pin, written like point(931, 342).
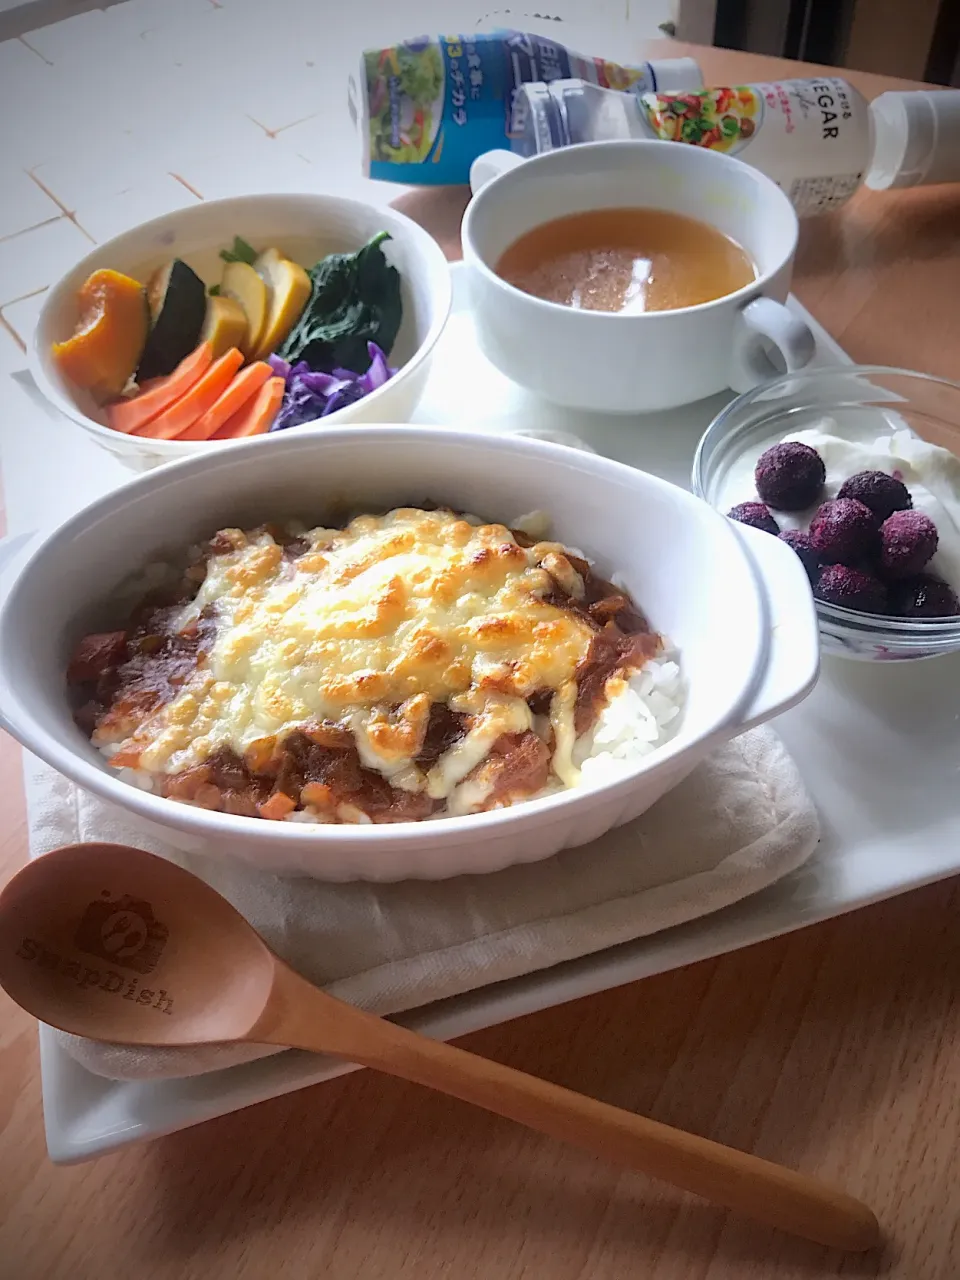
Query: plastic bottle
point(818, 139)
point(427, 108)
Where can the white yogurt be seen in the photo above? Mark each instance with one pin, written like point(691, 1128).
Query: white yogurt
point(930, 473)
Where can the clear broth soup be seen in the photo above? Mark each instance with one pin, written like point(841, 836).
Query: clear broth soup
point(626, 260)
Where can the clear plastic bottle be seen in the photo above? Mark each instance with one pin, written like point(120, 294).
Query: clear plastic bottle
point(818, 139)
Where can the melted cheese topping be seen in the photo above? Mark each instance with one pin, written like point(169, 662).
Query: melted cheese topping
point(368, 628)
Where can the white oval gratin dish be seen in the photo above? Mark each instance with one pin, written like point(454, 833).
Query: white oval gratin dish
point(735, 603)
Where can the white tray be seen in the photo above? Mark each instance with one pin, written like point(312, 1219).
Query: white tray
point(877, 745)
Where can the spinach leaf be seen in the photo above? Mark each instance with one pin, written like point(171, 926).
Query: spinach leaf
point(241, 252)
point(355, 300)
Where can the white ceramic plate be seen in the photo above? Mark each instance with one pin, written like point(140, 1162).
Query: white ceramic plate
point(865, 725)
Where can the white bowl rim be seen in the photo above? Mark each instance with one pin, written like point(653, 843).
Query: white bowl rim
point(179, 449)
point(451, 831)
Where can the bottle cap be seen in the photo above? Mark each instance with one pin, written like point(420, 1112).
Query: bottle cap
point(675, 75)
point(916, 139)
point(541, 118)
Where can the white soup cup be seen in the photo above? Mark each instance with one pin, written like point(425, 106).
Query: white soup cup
point(615, 362)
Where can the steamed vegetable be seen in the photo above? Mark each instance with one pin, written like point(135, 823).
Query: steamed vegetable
point(288, 289)
point(178, 300)
point(256, 416)
point(230, 401)
point(178, 362)
point(109, 337)
point(311, 394)
point(224, 326)
point(240, 252)
point(242, 284)
point(204, 393)
point(130, 415)
point(354, 301)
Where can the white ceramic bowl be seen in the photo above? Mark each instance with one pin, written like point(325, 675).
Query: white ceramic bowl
point(735, 602)
point(633, 361)
point(305, 227)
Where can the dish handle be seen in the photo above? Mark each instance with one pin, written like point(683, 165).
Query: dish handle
point(793, 641)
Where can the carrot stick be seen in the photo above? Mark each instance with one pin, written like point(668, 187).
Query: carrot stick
point(160, 393)
point(277, 806)
point(257, 415)
point(204, 393)
point(240, 391)
point(318, 795)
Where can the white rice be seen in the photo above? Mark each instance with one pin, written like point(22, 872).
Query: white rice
point(535, 524)
point(633, 724)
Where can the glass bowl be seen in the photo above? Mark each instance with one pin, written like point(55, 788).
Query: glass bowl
point(865, 404)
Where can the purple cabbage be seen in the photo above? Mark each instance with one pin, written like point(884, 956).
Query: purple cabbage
point(311, 395)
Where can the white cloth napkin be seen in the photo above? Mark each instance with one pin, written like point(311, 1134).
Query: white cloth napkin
point(739, 823)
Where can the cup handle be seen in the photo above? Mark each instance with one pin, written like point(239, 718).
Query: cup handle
point(765, 321)
point(793, 663)
point(491, 165)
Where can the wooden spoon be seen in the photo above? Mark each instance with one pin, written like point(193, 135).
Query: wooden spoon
point(116, 944)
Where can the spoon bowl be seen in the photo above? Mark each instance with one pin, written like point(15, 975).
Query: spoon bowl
point(112, 943)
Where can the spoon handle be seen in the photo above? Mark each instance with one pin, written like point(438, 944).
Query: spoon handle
point(759, 1189)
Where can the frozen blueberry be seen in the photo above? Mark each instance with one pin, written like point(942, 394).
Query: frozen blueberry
point(802, 545)
point(907, 541)
point(790, 476)
point(843, 531)
point(756, 515)
point(883, 494)
point(851, 588)
point(923, 596)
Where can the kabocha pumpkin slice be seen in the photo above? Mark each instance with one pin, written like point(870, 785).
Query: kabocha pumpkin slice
point(201, 396)
point(288, 291)
point(244, 386)
point(178, 304)
point(225, 325)
point(257, 416)
point(242, 284)
point(129, 415)
point(109, 337)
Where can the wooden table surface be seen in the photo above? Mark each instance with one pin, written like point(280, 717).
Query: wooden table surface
point(835, 1050)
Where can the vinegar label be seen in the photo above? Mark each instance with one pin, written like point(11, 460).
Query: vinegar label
point(809, 136)
point(819, 195)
